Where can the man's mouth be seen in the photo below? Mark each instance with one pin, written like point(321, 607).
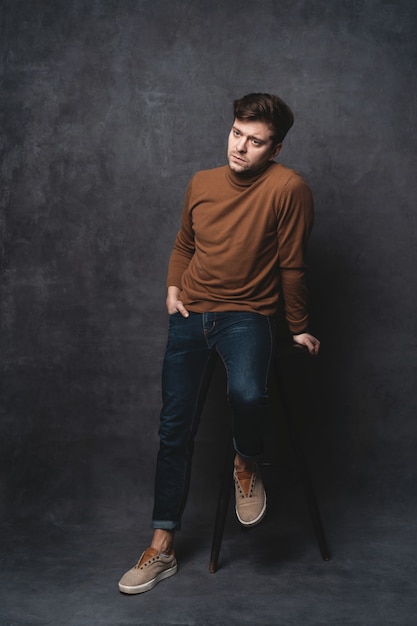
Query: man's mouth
point(238, 158)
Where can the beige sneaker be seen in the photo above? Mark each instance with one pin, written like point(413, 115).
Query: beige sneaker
point(151, 568)
point(250, 496)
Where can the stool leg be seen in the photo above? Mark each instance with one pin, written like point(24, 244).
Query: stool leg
point(222, 506)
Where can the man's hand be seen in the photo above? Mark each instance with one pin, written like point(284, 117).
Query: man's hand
point(311, 343)
point(173, 304)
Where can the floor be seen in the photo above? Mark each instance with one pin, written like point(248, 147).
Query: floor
point(66, 575)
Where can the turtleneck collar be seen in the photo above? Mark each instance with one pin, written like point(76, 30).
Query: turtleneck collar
point(242, 180)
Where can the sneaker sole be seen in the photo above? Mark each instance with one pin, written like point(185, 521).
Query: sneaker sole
point(150, 584)
point(255, 521)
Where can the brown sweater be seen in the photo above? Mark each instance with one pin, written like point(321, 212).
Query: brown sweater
point(243, 241)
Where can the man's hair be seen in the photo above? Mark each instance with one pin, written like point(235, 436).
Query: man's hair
point(265, 107)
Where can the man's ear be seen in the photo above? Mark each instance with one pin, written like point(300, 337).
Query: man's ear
point(275, 152)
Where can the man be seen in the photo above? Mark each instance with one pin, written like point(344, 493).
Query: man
point(241, 246)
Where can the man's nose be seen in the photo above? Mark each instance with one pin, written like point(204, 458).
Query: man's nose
point(241, 145)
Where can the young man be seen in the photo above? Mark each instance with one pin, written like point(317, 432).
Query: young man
point(241, 246)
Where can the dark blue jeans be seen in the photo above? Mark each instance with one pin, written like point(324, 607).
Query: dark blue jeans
point(245, 343)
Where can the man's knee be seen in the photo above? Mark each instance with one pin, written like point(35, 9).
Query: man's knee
point(248, 397)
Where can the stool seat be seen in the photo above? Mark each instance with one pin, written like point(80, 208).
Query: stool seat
point(287, 374)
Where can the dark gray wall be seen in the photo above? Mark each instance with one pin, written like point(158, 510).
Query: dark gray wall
point(108, 108)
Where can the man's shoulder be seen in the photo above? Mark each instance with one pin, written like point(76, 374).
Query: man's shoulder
point(286, 176)
point(288, 184)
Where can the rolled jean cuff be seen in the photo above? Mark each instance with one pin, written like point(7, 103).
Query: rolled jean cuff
point(165, 525)
point(245, 456)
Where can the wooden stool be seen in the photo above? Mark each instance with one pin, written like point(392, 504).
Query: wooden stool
point(289, 369)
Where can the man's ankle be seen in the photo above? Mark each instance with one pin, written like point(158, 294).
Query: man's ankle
point(243, 465)
point(163, 540)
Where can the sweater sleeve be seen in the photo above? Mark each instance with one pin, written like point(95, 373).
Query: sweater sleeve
point(295, 221)
point(184, 246)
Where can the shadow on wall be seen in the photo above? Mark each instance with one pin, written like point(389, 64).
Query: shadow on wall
point(347, 442)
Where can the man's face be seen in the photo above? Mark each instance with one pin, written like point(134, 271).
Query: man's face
point(250, 146)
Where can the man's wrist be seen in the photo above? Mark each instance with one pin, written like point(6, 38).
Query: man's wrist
point(301, 332)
